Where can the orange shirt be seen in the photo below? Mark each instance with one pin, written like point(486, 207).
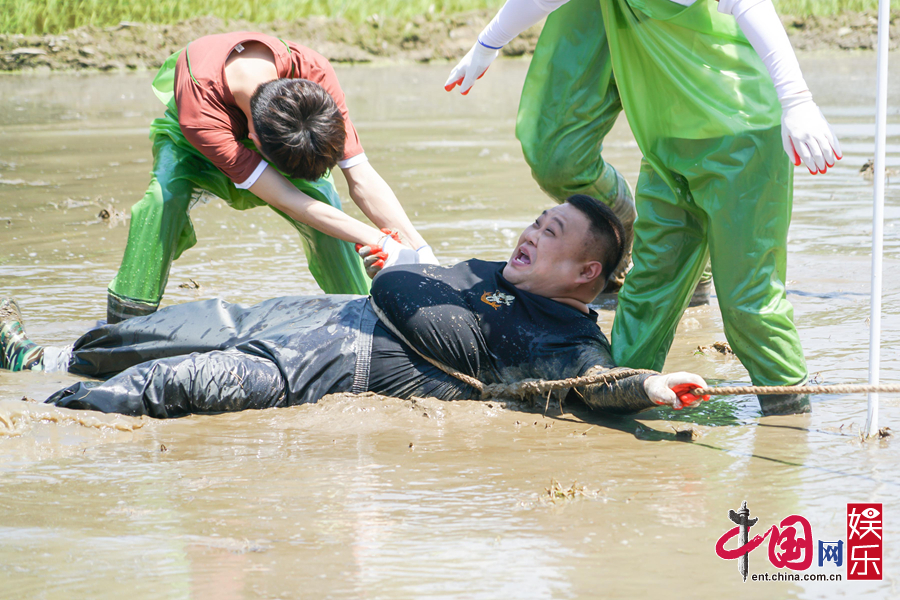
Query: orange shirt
point(209, 116)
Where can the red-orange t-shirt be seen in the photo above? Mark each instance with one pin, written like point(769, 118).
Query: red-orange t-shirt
point(209, 116)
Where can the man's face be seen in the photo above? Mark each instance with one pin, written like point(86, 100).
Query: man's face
point(549, 257)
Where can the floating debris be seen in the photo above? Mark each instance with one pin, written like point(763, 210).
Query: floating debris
point(868, 170)
point(716, 348)
point(556, 493)
point(687, 434)
point(190, 284)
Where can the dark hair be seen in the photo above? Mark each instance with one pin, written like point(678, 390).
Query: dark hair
point(606, 230)
point(300, 129)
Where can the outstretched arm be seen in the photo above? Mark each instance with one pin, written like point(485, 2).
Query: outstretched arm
point(638, 393)
point(377, 200)
point(513, 18)
point(806, 135)
point(278, 192)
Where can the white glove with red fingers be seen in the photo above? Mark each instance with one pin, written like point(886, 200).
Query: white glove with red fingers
point(390, 251)
point(674, 389)
point(472, 66)
point(806, 135)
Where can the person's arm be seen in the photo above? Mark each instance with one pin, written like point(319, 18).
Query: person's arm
point(274, 189)
point(638, 393)
point(376, 199)
point(513, 18)
point(806, 135)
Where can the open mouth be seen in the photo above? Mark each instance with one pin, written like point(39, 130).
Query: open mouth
point(521, 258)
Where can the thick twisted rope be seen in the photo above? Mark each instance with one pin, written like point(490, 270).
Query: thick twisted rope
point(538, 386)
point(777, 390)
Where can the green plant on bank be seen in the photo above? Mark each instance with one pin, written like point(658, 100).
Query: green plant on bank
point(55, 16)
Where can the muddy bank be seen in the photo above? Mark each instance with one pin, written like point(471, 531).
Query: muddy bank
point(428, 37)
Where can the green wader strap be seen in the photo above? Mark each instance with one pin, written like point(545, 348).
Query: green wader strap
point(164, 82)
point(291, 76)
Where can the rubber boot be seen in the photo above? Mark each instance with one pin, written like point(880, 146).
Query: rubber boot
point(17, 352)
point(119, 309)
point(704, 288)
point(784, 404)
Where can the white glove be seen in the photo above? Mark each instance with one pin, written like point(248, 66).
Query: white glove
point(426, 256)
point(472, 66)
point(660, 388)
point(397, 253)
point(806, 135)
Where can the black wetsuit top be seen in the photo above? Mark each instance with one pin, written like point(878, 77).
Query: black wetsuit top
point(471, 319)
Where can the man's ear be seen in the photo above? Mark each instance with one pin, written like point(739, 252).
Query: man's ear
point(590, 271)
point(254, 138)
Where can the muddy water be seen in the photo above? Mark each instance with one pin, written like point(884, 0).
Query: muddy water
point(381, 498)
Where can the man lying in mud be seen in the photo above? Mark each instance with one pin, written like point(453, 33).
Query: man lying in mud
point(493, 321)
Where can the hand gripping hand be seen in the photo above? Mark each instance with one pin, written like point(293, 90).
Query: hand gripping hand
point(373, 259)
point(387, 253)
point(674, 389)
point(472, 66)
point(806, 135)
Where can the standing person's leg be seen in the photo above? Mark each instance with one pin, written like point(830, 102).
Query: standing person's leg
point(670, 253)
point(749, 202)
point(159, 232)
point(213, 382)
point(569, 104)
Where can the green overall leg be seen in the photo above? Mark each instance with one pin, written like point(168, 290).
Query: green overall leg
point(737, 212)
point(159, 232)
point(569, 104)
point(161, 229)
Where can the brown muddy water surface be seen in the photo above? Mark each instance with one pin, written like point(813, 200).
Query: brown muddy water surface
point(381, 498)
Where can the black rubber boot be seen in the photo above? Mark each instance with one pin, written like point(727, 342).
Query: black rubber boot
point(701, 293)
point(784, 404)
point(119, 309)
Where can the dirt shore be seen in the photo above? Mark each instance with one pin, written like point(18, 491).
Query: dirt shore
point(132, 46)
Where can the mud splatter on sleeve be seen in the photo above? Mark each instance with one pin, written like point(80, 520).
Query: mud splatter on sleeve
point(621, 397)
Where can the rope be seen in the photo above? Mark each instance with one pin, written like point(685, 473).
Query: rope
point(540, 386)
point(467, 379)
point(777, 390)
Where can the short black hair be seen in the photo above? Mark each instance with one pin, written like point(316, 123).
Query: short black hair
point(300, 129)
point(606, 230)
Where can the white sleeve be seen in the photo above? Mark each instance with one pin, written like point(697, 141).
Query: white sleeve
point(735, 8)
point(760, 23)
point(513, 18)
point(353, 161)
point(245, 185)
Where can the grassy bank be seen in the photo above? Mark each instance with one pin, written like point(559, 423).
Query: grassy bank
point(55, 16)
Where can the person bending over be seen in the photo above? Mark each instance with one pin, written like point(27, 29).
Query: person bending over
point(496, 322)
point(256, 120)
